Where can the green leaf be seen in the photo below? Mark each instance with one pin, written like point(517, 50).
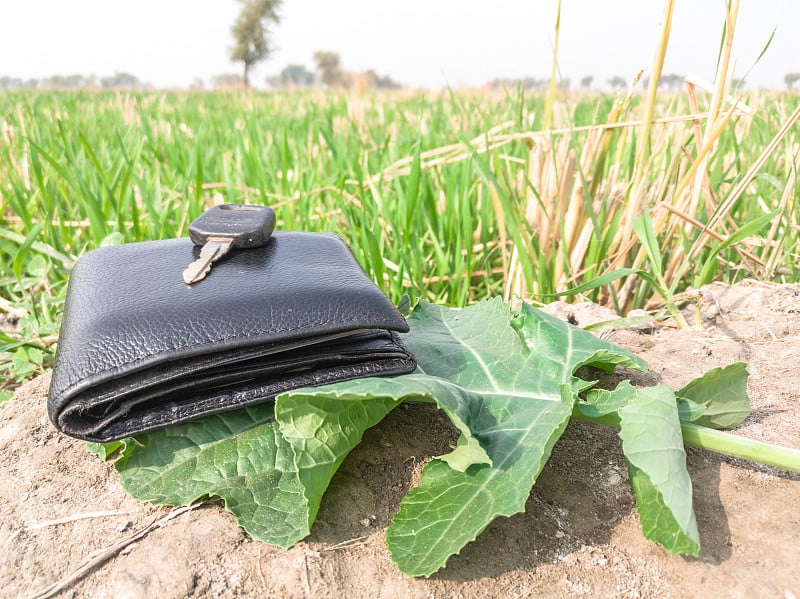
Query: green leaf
point(594, 283)
point(38, 266)
point(22, 251)
point(404, 305)
point(239, 456)
point(517, 389)
point(723, 394)
point(322, 425)
point(113, 238)
point(643, 227)
point(35, 356)
point(688, 410)
point(745, 230)
point(505, 381)
point(5, 395)
point(620, 323)
point(600, 402)
point(105, 450)
point(21, 363)
point(653, 444)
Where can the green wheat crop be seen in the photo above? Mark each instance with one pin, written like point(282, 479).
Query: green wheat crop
point(451, 197)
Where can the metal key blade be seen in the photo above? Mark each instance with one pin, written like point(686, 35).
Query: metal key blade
point(198, 269)
point(214, 249)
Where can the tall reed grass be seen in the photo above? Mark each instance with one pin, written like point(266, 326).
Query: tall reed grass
point(452, 197)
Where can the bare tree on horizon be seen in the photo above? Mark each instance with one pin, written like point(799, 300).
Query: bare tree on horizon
point(250, 33)
point(329, 66)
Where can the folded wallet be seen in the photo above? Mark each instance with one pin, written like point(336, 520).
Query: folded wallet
point(141, 350)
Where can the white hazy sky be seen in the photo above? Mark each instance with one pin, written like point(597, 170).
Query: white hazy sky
point(426, 43)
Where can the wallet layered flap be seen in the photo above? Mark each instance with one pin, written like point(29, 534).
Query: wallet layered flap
point(140, 350)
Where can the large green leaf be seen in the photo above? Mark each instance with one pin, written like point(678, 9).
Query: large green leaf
point(272, 472)
point(324, 424)
point(506, 383)
point(239, 456)
point(517, 392)
point(653, 444)
point(322, 427)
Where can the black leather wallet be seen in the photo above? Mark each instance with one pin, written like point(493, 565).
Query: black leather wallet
point(141, 350)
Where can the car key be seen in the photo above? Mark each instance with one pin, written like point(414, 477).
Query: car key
point(222, 228)
point(214, 249)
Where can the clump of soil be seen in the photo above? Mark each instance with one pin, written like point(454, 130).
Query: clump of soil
point(579, 536)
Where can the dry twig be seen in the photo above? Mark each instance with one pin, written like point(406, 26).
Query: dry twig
point(75, 517)
point(103, 555)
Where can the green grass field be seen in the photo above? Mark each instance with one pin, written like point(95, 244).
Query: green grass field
point(451, 197)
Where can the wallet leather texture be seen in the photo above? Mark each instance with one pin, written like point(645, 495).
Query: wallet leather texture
point(140, 350)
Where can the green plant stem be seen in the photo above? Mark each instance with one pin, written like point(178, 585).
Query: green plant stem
point(740, 447)
point(703, 437)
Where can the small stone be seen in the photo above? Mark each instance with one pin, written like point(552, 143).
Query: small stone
point(123, 526)
point(365, 522)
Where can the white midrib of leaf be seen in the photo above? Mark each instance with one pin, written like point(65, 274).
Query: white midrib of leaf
point(475, 355)
point(491, 392)
point(495, 391)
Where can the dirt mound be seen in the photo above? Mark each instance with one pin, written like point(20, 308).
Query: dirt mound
point(60, 507)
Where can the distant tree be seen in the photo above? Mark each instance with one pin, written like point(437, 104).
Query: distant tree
point(329, 68)
point(250, 33)
point(55, 81)
point(386, 82)
point(790, 79)
point(227, 81)
point(616, 82)
point(534, 84)
point(11, 83)
point(295, 75)
point(75, 81)
point(586, 82)
point(120, 80)
point(361, 82)
point(273, 81)
point(526, 83)
point(671, 81)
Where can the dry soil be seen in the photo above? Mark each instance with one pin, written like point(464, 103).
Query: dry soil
point(579, 536)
